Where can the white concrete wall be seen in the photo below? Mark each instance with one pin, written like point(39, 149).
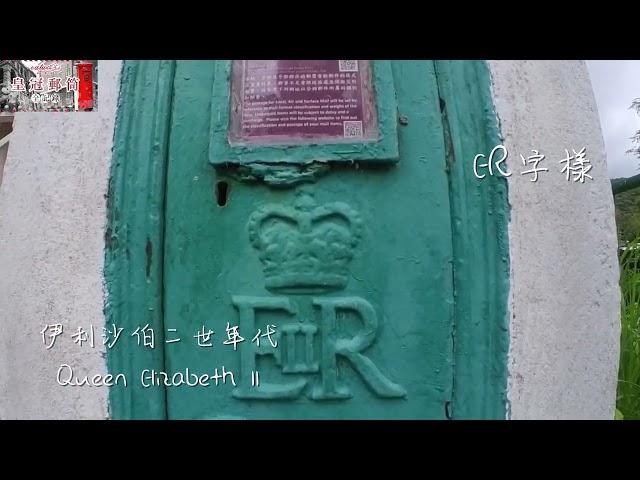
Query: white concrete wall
point(564, 297)
point(52, 219)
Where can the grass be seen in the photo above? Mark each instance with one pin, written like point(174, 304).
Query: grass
point(628, 399)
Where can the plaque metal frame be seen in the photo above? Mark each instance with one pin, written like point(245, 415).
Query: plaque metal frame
point(384, 149)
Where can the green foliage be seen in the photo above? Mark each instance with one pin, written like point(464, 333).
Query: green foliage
point(628, 224)
point(635, 105)
point(628, 203)
point(628, 400)
point(628, 215)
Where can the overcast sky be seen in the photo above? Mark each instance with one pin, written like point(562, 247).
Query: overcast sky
point(615, 84)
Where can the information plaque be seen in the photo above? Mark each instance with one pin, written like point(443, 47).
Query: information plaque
point(292, 102)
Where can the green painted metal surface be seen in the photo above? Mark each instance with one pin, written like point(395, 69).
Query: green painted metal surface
point(386, 284)
point(134, 234)
point(479, 221)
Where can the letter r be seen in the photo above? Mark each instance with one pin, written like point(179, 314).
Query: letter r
point(350, 348)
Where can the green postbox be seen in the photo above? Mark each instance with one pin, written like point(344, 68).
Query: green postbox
point(313, 238)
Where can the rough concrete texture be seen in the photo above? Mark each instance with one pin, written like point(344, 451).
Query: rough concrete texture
point(565, 299)
point(52, 219)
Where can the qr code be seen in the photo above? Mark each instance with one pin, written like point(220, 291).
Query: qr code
point(353, 129)
point(348, 65)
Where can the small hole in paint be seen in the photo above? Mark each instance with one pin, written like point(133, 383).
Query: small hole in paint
point(447, 410)
point(222, 193)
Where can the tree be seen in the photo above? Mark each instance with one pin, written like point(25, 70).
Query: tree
point(636, 137)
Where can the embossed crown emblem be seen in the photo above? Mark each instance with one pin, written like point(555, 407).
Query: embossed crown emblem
point(305, 247)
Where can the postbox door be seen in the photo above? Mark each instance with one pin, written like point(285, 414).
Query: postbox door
point(337, 287)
